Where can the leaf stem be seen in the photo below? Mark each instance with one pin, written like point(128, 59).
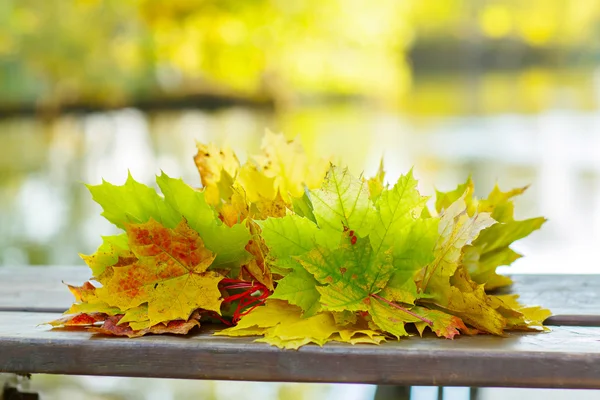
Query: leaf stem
point(399, 307)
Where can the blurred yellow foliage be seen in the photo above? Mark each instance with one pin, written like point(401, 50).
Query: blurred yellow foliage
point(115, 50)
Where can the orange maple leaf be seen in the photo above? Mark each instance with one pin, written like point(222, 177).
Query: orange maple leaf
point(170, 274)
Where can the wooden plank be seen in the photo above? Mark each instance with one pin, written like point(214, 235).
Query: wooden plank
point(563, 358)
point(562, 294)
point(41, 289)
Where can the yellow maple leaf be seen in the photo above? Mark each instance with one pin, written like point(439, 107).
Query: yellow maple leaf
point(286, 162)
point(457, 228)
point(170, 274)
point(523, 317)
point(257, 266)
point(218, 168)
point(282, 325)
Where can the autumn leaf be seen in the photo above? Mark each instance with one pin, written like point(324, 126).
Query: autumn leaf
point(282, 325)
point(443, 200)
point(228, 243)
point(290, 167)
point(218, 168)
point(491, 249)
point(400, 227)
point(443, 324)
point(456, 230)
point(343, 203)
point(257, 266)
point(349, 274)
point(376, 183)
point(80, 319)
point(258, 186)
point(115, 327)
point(133, 202)
point(287, 237)
point(521, 317)
point(397, 211)
point(299, 287)
point(291, 235)
point(170, 274)
point(110, 251)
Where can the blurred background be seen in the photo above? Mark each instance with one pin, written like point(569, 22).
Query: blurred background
point(506, 91)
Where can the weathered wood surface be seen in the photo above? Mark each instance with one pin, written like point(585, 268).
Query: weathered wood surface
point(562, 294)
point(41, 289)
point(563, 358)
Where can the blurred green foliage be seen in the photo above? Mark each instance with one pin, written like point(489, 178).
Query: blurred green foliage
point(112, 51)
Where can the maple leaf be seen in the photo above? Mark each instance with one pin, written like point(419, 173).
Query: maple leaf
point(258, 186)
point(522, 317)
point(218, 168)
point(299, 287)
point(287, 237)
point(291, 235)
point(456, 230)
point(376, 183)
point(447, 281)
point(228, 243)
point(236, 209)
point(349, 274)
point(110, 251)
point(400, 227)
point(469, 301)
point(303, 207)
point(170, 274)
point(443, 200)
point(116, 327)
point(257, 266)
point(133, 202)
point(491, 249)
point(287, 163)
point(282, 325)
point(443, 324)
point(79, 319)
point(343, 203)
point(391, 318)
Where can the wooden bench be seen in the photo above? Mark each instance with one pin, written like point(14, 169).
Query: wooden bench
point(566, 357)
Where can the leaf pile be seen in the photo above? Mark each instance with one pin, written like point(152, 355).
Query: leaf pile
point(298, 251)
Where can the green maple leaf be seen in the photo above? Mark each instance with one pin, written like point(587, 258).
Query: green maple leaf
point(299, 287)
point(304, 207)
point(133, 202)
point(349, 274)
point(377, 183)
point(491, 249)
point(400, 227)
point(444, 200)
point(287, 237)
point(343, 203)
point(397, 210)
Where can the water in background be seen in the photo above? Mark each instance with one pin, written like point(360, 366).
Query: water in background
point(48, 216)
